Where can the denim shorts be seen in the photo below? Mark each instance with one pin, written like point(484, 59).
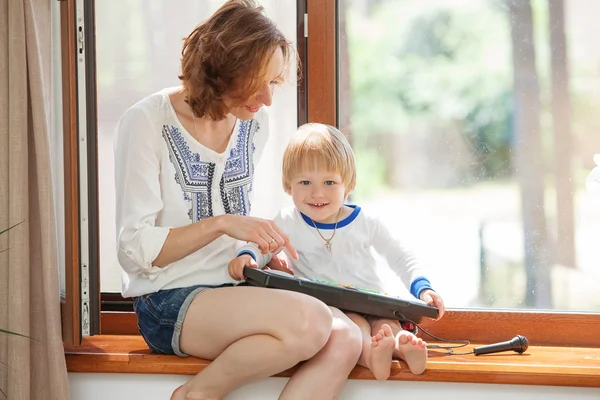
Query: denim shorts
point(161, 314)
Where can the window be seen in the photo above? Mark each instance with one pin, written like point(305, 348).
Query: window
point(474, 128)
point(113, 54)
point(148, 61)
point(446, 162)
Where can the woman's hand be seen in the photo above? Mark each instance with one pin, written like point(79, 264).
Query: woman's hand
point(263, 232)
point(236, 266)
point(433, 299)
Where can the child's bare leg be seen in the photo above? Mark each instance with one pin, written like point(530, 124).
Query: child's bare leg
point(377, 347)
point(408, 347)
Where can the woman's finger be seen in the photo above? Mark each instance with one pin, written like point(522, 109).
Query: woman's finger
point(261, 239)
point(276, 241)
point(272, 239)
point(274, 245)
point(286, 242)
point(276, 234)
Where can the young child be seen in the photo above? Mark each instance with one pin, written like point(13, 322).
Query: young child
point(334, 242)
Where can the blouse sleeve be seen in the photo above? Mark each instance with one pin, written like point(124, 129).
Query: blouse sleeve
point(138, 193)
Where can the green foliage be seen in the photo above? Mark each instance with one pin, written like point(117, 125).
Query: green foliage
point(435, 63)
point(369, 173)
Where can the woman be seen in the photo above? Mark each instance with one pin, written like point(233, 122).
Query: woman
point(184, 165)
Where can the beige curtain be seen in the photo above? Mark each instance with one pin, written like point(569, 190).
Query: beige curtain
point(29, 289)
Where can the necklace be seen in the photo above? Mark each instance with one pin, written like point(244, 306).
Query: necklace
point(328, 241)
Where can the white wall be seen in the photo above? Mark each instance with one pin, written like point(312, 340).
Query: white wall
point(149, 387)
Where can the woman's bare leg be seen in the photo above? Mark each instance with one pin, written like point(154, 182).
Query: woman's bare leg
point(377, 347)
point(324, 375)
point(250, 333)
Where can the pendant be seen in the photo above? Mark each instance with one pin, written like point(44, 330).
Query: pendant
point(328, 245)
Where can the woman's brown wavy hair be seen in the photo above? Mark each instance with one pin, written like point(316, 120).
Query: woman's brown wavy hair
point(227, 55)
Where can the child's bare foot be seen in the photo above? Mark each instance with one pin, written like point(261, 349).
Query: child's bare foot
point(379, 359)
point(413, 350)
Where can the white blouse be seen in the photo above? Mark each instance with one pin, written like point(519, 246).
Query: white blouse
point(167, 179)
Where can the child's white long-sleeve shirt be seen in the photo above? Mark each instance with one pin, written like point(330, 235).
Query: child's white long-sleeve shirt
point(351, 260)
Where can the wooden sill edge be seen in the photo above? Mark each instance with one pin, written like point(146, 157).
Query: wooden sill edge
point(540, 365)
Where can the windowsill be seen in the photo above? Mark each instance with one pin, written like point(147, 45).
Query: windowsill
point(540, 365)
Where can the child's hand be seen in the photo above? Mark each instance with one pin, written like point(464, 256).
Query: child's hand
point(279, 263)
point(433, 299)
point(236, 266)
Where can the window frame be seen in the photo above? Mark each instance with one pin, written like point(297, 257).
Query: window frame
point(320, 88)
point(77, 34)
point(70, 305)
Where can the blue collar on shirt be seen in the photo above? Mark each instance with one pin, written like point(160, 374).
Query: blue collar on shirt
point(340, 224)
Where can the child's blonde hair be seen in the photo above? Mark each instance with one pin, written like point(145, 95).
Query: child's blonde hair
point(315, 146)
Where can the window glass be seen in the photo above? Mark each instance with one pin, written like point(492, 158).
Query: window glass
point(138, 51)
point(474, 126)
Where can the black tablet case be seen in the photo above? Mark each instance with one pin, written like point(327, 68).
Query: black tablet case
point(343, 297)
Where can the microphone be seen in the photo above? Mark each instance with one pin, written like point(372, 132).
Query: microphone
point(519, 344)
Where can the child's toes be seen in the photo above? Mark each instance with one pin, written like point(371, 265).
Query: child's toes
point(386, 330)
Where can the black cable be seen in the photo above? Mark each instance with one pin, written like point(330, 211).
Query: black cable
point(449, 349)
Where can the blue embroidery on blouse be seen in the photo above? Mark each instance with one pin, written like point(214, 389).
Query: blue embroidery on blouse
point(239, 164)
point(236, 184)
point(192, 174)
point(191, 171)
point(196, 176)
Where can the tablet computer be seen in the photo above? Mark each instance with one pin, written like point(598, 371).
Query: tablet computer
point(344, 297)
